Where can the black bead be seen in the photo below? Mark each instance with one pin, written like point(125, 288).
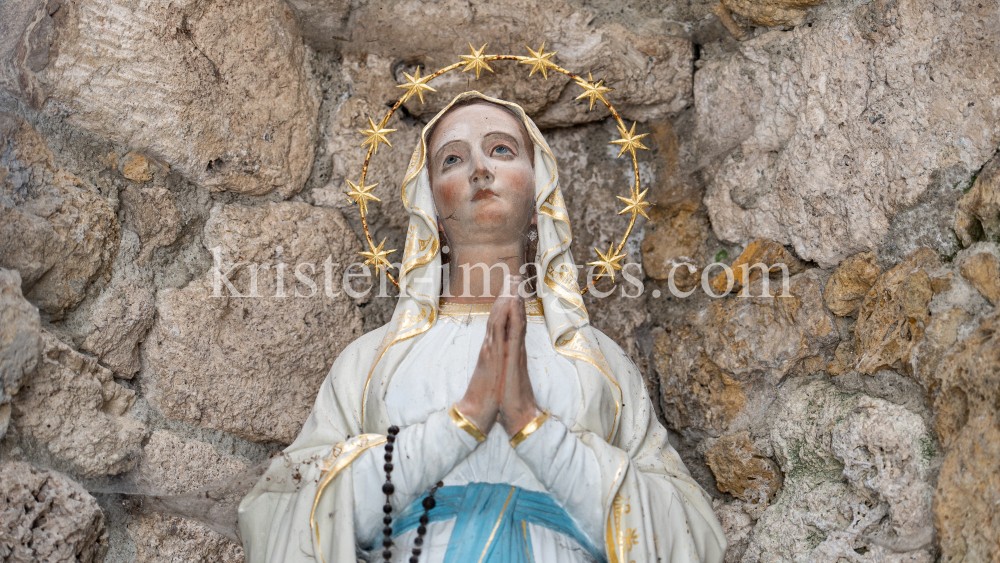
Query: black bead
point(387, 457)
point(387, 542)
point(421, 530)
point(387, 555)
point(387, 531)
point(388, 488)
point(390, 438)
point(393, 430)
point(416, 551)
point(414, 560)
point(387, 520)
point(387, 467)
point(389, 448)
point(424, 519)
point(429, 502)
point(419, 541)
point(387, 508)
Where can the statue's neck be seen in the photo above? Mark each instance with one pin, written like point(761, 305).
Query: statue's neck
point(476, 273)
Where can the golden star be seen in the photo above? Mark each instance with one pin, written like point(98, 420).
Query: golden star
point(477, 60)
point(361, 195)
point(593, 91)
point(539, 61)
point(378, 257)
point(608, 262)
point(416, 85)
point(637, 205)
point(376, 134)
point(629, 141)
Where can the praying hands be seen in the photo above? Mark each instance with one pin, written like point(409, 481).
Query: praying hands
point(500, 388)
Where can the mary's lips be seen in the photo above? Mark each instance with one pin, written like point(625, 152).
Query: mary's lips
point(484, 194)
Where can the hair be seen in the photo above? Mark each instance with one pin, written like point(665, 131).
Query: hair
point(525, 137)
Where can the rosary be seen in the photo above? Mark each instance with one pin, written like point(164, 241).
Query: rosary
point(388, 489)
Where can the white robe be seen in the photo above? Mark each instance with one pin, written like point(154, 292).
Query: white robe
point(431, 447)
point(637, 503)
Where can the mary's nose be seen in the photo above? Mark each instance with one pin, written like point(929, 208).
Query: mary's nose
point(482, 172)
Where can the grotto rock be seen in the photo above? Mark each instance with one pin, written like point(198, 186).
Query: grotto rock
point(203, 94)
point(674, 238)
point(46, 516)
point(251, 365)
point(856, 471)
point(983, 270)
point(741, 470)
point(850, 282)
point(977, 216)
point(649, 71)
point(771, 13)
point(803, 149)
point(894, 313)
point(20, 341)
point(966, 383)
point(171, 465)
point(55, 229)
point(72, 407)
point(152, 214)
point(719, 369)
point(967, 498)
point(112, 324)
point(761, 251)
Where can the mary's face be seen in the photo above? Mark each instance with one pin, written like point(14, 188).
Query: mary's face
point(481, 176)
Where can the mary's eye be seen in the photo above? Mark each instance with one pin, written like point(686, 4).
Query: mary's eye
point(500, 149)
point(450, 160)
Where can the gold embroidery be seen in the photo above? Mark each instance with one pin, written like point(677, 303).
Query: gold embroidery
point(617, 537)
point(465, 424)
point(576, 347)
point(412, 257)
point(497, 525)
point(532, 426)
point(555, 207)
point(532, 307)
point(344, 453)
point(562, 281)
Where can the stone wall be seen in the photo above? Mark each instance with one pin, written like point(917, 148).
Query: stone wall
point(145, 147)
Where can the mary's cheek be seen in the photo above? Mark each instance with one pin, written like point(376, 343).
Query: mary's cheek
point(447, 192)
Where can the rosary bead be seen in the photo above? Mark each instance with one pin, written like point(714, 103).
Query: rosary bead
point(393, 430)
point(424, 519)
point(386, 543)
point(421, 530)
point(387, 531)
point(387, 508)
point(428, 502)
point(387, 467)
point(390, 438)
point(414, 560)
point(419, 541)
point(388, 448)
point(388, 488)
point(387, 555)
point(387, 457)
point(416, 551)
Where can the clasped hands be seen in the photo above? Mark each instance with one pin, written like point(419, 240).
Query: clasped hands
point(500, 389)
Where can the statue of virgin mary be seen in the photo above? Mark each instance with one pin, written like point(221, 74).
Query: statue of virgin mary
point(532, 430)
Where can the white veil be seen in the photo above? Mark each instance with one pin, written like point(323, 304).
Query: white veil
point(420, 282)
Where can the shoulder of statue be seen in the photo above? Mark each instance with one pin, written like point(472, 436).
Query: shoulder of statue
point(359, 354)
point(625, 370)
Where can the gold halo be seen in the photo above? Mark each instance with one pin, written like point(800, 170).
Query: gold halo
point(540, 62)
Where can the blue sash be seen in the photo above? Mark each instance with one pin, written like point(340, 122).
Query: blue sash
point(491, 522)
